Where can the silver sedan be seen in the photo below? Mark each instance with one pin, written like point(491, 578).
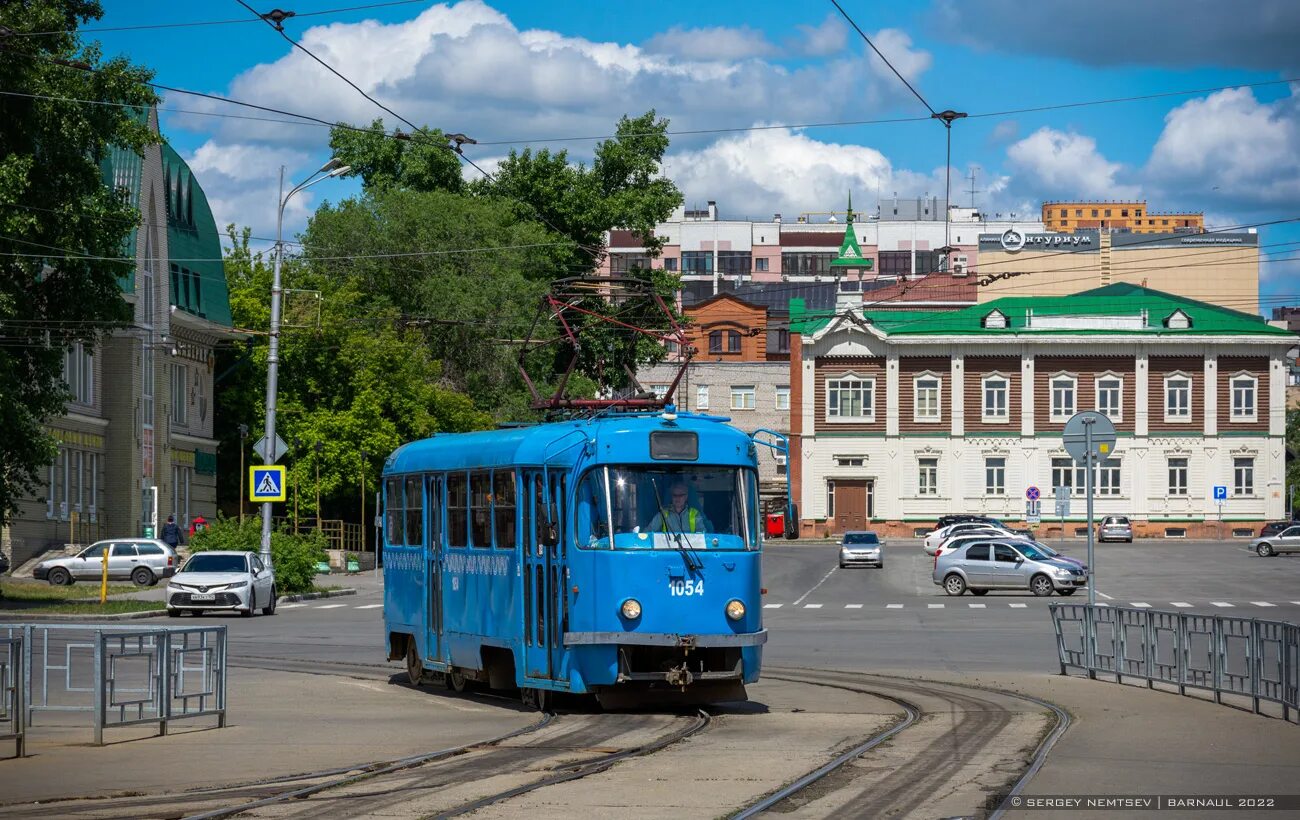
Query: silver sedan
point(1288, 540)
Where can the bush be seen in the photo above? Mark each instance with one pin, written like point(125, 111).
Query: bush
point(293, 557)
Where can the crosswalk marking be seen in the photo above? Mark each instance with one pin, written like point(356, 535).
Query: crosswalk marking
point(853, 606)
point(1262, 603)
point(773, 606)
point(331, 606)
point(1018, 606)
point(812, 606)
point(1141, 605)
point(935, 606)
point(370, 606)
point(1182, 604)
point(1220, 603)
point(893, 606)
point(976, 606)
point(290, 606)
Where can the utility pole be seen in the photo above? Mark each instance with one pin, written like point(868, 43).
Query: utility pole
point(319, 447)
point(243, 437)
point(363, 500)
point(297, 447)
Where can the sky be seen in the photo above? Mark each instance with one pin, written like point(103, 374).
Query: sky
point(785, 98)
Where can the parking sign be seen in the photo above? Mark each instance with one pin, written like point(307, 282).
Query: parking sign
point(1220, 492)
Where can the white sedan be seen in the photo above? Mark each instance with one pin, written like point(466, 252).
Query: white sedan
point(230, 581)
point(935, 539)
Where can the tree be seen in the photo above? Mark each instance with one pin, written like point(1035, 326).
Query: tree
point(62, 230)
point(419, 162)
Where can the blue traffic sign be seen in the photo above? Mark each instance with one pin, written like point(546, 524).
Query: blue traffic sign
point(266, 483)
point(1032, 494)
point(1220, 492)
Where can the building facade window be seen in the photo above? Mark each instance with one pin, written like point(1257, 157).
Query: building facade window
point(1178, 397)
point(622, 263)
point(798, 263)
point(1063, 392)
point(670, 263)
point(851, 398)
point(743, 397)
point(761, 264)
point(1065, 473)
point(733, 341)
point(79, 373)
point(180, 383)
point(778, 341)
point(734, 263)
point(660, 390)
point(1108, 478)
point(702, 397)
point(850, 461)
point(181, 477)
point(927, 479)
point(783, 397)
point(926, 389)
point(1243, 398)
point(995, 398)
point(715, 341)
point(1178, 476)
point(1110, 391)
point(697, 262)
point(1243, 476)
point(895, 264)
point(995, 475)
point(830, 499)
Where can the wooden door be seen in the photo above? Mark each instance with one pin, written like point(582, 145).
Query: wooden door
point(850, 505)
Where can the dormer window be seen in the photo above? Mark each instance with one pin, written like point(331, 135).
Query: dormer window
point(995, 319)
point(1178, 320)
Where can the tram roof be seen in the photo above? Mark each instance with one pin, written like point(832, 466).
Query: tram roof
point(555, 443)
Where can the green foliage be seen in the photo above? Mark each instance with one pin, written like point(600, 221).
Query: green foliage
point(420, 163)
point(1292, 464)
point(293, 557)
point(52, 199)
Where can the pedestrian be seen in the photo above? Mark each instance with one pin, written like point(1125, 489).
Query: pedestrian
point(171, 534)
point(198, 525)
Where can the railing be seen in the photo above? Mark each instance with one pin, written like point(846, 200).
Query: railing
point(11, 692)
point(341, 535)
point(1247, 657)
point(124, 675)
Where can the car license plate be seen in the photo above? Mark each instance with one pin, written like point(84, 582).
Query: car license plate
point(203, 596)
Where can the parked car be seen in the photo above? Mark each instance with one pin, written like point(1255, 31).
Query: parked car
point(231, 581)
point(1288, 540)
point(1115, 528)
point(1274, 527)
point(936, 539)
point(145, 561)
point(861, 548)
point(949, 520)
point(967, 536)
point(1005, 564)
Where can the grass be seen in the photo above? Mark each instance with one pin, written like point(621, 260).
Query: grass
point(40, 597)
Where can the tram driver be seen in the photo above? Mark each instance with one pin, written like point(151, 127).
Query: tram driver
point(681, 517)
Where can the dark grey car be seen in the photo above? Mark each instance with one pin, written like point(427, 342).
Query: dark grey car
point(1006, 564)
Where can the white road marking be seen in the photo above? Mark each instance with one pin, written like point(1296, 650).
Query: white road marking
point(1182, 604)
point(331, 606)
point(853, 606)
point(1140, 604)
point(1297, 603)
point(290, 606)
point(1104, 595)
point(935, 606)
point(812, 606)
point(1103, 604)
point(893, 606)
point(819, 583)
point(1262, 603)
point(1017, 606)
point(976, 606)
point(369, 606)
point(1220, 603)
point(773, 606)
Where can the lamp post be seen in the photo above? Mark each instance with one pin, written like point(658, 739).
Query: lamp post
point(330, 169)
point(243, 437)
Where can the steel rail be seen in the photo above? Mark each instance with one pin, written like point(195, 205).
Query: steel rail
point(580, 770)
point(1040, 754)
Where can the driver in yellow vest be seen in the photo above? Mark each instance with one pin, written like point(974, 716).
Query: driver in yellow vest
point(680, 518)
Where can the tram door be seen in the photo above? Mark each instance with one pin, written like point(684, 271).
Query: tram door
point(543, 580)
point(433, 518)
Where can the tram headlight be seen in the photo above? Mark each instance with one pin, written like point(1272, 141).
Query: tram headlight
point(631, 609)
point(735, 610)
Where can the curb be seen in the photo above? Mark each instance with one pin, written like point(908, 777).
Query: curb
point(121, 616)
point(312, 596)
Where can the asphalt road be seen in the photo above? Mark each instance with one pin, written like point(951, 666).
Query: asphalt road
point(892, 619)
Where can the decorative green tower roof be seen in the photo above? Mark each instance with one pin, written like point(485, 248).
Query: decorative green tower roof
point(850, 251)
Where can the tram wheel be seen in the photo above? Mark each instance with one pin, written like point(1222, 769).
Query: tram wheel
point(536, 699)
point(456, 680)
point(414, 666)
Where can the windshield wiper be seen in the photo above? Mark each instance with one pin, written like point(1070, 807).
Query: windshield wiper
point(692, 560)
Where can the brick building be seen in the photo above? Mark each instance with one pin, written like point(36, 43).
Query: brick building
point(903, 416)
point(1126, 215)
point(138, 431)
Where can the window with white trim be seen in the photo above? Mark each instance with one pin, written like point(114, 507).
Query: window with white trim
point(995, 475)
point(702, 397)
point(1243, 476)
point(1063, 390)
point(181, 477)
point(743, 397)
point(850, 399)
point(995, 398)
point(927, 479)
point(1243, 397)
point(781, 463)
point(1178, 397)
point(850, 461)
point(79, 373)
point(1108, 478)
point(926, 391)
point(180, 399)
point(830, 499)
point(783, 397)
point(1110, 392)
point(92, 476)
point(1178, 476)
point(660, 390)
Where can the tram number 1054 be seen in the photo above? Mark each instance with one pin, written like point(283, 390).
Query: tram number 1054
point(686, 588)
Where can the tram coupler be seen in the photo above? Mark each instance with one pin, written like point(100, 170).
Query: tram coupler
point(679, 676)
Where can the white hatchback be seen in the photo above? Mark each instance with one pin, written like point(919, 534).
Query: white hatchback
point(231, 581)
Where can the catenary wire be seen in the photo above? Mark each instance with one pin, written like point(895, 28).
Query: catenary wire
point(200, 23)
point(901, 78)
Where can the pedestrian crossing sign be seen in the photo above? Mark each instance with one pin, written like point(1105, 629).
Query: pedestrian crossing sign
point(266, 483)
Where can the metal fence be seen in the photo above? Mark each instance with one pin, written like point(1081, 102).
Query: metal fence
point(1252, 658)
point(12, 713)
point(124, 675)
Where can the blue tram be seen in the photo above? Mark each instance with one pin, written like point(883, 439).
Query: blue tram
point(618, 555)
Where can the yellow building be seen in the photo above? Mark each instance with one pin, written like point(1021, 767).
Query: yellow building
point(1068, 217)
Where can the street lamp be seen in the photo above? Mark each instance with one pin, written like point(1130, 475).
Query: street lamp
point(330, 169)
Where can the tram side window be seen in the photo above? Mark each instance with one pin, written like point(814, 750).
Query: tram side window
point(393, 511)
point(414, 512)
point(480, 485)
point(457, 507)
point(435, 511)
point(503, 507)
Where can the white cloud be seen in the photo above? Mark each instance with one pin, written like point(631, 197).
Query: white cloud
point(820, 41)
point(719, 42)
point(1231, 150)
point(1063, 164)
point(241, 182)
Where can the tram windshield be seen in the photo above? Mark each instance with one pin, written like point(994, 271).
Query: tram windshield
point(640, 507)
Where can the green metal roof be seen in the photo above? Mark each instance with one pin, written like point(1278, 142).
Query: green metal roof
point(197, 274)
point(1118, 300)
point(121, 170)
point(850, 251)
